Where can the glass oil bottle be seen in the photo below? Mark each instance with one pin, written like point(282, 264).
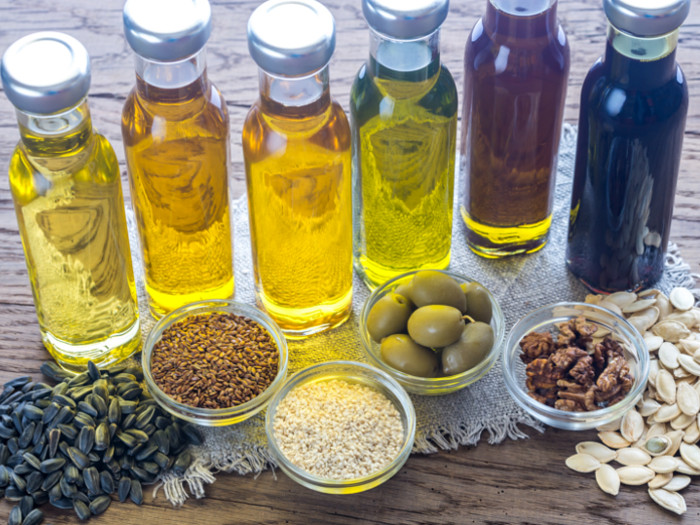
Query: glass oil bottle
point(634, 102)
point(66, 187)
point(296, 146)
point(404, 112)
point(176, 138)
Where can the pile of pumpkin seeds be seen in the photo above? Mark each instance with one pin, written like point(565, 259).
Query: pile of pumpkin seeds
point(75, 445)
point(656, 442)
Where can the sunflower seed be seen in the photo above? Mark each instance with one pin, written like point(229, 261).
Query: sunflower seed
point(62, 503)
point(124, 488)
point(33, 518)
point(49, 465)
point(184, 460)
point(50, 480)
point(15, 517)
point(102, 436)
point(106, 482)
point(91, 479)
point(635, 475)
point(192, 435)
point(114, 413)
point(100, 504)
point(668, 500)
point(136, 492)
point(79, 459)
point(81, 510)
point(86, 439)
point(34, 481)
point(87, 408)
point(68, 490)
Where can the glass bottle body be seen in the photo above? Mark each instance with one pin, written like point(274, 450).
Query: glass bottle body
point(516, 69)
point(632, 118)
point(176, 138)
point(404, 112)
point(296, 146)
point(66, 187)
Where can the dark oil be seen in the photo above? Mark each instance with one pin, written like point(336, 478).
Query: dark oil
point(629, 144)
point(516, 69)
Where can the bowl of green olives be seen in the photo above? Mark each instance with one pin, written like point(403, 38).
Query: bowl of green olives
point(434, 331)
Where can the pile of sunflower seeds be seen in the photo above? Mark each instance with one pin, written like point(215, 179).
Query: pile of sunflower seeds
point(656, 442)
point(76, 444)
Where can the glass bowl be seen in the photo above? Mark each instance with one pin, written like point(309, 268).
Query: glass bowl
point(220, 416)
point(432, 386)
point(545, 319)
point(352, 372)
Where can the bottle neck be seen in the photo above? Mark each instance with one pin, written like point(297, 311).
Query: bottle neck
point(417, 59)
point(521, 18)
point(295, 97)
point(644, 62)
point(59, 134)
point(171, 81)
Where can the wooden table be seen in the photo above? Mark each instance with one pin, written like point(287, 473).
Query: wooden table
point(517, 481)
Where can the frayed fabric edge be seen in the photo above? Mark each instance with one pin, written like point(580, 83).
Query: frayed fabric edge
point(178, 488)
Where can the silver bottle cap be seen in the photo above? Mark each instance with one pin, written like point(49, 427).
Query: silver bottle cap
point(167, 30)
point(646, 18)
point(45, 73)
point(291, 37)
point(405, 19)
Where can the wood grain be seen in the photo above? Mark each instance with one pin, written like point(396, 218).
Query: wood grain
point(515, 482)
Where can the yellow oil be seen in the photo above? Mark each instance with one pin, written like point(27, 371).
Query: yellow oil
point(177, 152)
point(298, 169)
point(405, 132)
point(70, 210)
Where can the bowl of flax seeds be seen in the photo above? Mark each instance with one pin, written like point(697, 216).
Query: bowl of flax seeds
point(215, 362)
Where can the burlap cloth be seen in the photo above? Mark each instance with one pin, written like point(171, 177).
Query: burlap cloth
point(482, 410)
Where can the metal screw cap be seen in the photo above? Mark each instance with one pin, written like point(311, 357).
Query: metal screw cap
point(291, 37)
point(167, 30)
point(646, 18)
point(45, 73)
point(405, 19)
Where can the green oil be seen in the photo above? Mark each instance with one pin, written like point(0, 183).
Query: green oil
point(404, 130)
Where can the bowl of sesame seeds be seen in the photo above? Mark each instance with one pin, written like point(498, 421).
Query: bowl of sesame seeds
point(340, 427)
point(215, 362)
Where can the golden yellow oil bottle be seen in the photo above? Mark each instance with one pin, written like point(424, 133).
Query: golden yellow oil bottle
point(404, 111)
point(296, 145)
point(176, 138)
point(65, 183)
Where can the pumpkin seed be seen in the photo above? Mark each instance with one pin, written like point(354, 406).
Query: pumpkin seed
point(632, 456)
point(608, 479)
point(663, 464)
point(677, 483)
point(666, 386)
point(691, 455)
point(660, 480)
point(689, 364)
point(593, 448)
point(653, 342)
point(668, 500)
point(613, 439)
point(671, 331)
point(632, 426)
point(657, 445)
point(681, 298)
point(666, 413)
point(635, 475)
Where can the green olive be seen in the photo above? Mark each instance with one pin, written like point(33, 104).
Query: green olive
point(475, 342)
point(433, 287)
point(435, 325)
point(400, 352)
point(405, 290)
point(389, 315)
point(478, 302)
